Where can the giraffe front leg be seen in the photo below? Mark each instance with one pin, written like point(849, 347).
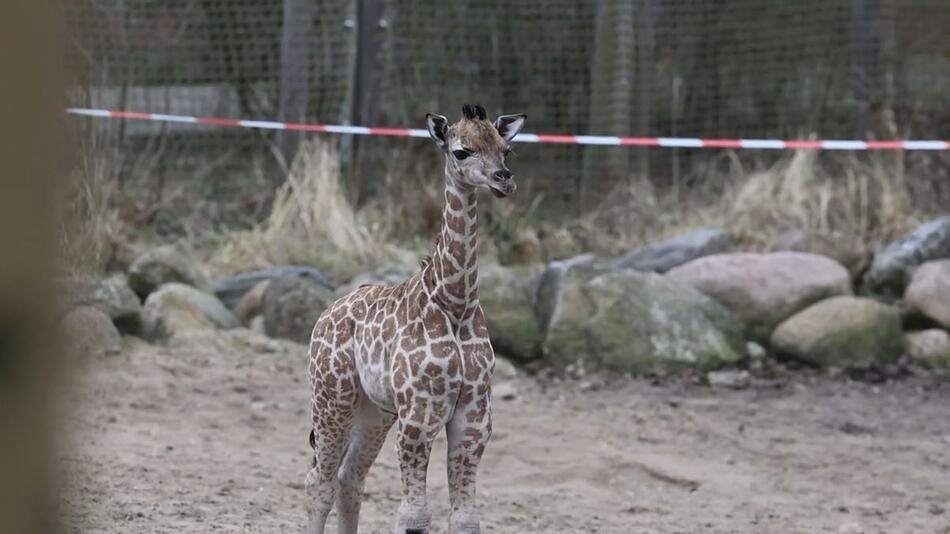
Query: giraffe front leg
point(413, 445)
point(421, 417)
point(468, 433)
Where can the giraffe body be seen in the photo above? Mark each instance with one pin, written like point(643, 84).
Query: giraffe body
point(415, 355)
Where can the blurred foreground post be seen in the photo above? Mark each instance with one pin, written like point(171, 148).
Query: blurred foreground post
point(33, 123)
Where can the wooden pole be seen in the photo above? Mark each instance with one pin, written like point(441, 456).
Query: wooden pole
point(363, 108)
point(295, 52)
point(861, 64)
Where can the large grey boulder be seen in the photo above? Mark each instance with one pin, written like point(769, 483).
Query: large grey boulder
point(559, 244)
point(89, 332)
point(892, 265)
point(507, 296)
point(841, 331)
point(230, 289)
point(112, 296)
point(174, 308)
point(552, 281)
point(163, 265)
point(292, 305)
point(639, 322)
point(765, 289)
point(664, 255)
point(386, 275)
point(929, 347)
point(928, 294)
point(849, 251)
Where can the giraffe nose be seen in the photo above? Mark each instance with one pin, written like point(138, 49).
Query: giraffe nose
point(502, 175)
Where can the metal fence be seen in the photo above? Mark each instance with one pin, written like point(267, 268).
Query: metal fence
point(712, 68)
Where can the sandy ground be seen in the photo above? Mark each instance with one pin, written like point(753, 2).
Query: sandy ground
point(212, 436)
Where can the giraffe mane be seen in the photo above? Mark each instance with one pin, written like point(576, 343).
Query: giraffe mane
point(427, 259)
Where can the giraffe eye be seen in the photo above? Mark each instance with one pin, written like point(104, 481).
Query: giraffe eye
point(461, 154)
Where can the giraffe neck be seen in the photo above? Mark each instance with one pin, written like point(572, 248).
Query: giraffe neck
point(452, 275)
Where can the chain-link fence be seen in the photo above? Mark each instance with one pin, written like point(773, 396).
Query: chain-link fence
point(707, 68)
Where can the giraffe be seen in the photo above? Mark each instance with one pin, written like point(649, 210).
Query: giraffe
point(416, 354)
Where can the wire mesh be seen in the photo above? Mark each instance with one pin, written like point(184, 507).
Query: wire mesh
point(711, 68)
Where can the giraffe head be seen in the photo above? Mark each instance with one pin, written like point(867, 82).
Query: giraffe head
point(475, 148)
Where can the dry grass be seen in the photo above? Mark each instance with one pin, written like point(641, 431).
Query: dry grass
point(867, 200)
point(90, 225)
point(863, 200)
point(311, 223)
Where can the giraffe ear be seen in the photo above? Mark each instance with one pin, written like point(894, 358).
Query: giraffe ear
point(509, 125)
point(480, 112)
point(438, 126)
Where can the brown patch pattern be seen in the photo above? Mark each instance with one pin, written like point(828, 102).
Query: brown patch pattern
point(416, 354)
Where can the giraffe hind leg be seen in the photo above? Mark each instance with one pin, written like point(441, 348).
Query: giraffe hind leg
point(366, 439)
point(335, 400)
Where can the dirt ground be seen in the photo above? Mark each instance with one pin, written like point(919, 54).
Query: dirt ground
point(211, 436)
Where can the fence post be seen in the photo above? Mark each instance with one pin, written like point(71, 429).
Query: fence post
point(363, 106)
point(613, 84)
point(862, 58)
point(295, 52)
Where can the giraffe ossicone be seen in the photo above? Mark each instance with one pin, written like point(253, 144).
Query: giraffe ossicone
point(415, 354)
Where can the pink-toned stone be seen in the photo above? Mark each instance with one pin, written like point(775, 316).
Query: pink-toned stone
point(763, 290)
point(928, 293)
point(252, 303)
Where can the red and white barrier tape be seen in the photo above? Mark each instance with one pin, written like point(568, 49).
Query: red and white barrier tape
point(667, 142)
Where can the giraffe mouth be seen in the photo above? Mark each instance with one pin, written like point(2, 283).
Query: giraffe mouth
point(503, 189)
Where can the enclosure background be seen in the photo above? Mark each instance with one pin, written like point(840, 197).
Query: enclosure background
point(709, 68)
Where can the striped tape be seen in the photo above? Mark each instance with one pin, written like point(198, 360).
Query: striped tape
point(666, 142)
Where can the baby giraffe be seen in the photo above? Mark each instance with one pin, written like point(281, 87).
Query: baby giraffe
point(416, 354)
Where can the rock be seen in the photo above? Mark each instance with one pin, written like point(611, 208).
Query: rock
point(234, 342)
point(252, 303)
point(638, 322)
point(552, 282)
point(163, 265)
point(507, 296)
point(928, 294)
point(846, 250)
point(891, 268)
point(765, 289)
point(664, 255)
point(386, 275)
point(524, 248)
point(504, 369)
point(174, 308)
point(232, 288)
point(505, 391)
point(754, 351)
point(89, 332)
point(292, 305)
point(740, 379)
point(929, 347)
point(841, 331)
point(559, 244)
point(113, 297)
point(257, 325)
